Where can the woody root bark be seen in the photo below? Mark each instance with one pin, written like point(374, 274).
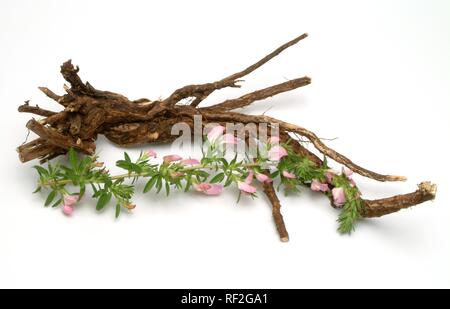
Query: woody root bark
point(87, 112)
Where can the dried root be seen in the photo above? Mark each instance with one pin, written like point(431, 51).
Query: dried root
point(88, 112)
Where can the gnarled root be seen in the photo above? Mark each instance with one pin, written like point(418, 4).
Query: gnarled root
point(88, 112)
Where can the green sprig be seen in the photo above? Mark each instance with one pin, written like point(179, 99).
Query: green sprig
point(213, 168)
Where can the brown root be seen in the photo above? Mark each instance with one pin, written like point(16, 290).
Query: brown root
point(88, 112)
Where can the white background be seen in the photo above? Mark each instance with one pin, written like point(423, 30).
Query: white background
point(380, 71)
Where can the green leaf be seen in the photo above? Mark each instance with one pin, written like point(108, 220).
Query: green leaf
point(239, 197)
point(41, 171)
point(57, 203)
point(188, 184)
point(37, 189)
point(203, 174)
point(118, 209)
point(159, 184)
point(224, 162)
point(50, 197)
point(82, 190)
point(149, 185)
point(73, 158)
point(84, 163)
point(274, 174)
point(228, 181)
point(103, 200)
point(218, 178)
point(234, 160)
point(127, 157)
point(97, 193)
point(167, 188)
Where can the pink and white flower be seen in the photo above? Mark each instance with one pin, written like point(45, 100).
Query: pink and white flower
point(70, 200)
point(263, 178)
point(347, 172)
point(338, 196)
point(68, 210)
point(215, 133)
point(288, 175)
point(246, 188)
point(208, 188)
point(276, 153)
point(329, 174)
point(318, 186)
point(190, 162)
point(171, 158)
point(229, 139)
point(151, 153)
point(249, 178)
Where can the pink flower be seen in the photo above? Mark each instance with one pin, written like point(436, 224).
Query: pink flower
point(171, 158)
point(329, 174)
point(215, 133)
point(190, 162)
point(150, 153)
point(288, 175)
point(229, 139)
point(263, 178)
point(208, 188)
point(249, 178)
point(274, 140)
point(68, 210)
point(276, 153)
point(246, 188)
point(347, 172)
point(318, 186)
point(352, 182)
point(70, 200)
point(338, 196)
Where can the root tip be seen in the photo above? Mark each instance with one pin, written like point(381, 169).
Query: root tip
point(428, 187)
point(398, 178)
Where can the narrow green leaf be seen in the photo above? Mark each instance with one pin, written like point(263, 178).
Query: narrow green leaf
point(188, 184)
point(239, 197)
point(84, 163)
point(118, 209)
point(97, 193)
point(127, 157)
point(274, 174)
point(50, 197)
point(218, 178)
point(229, 180)
point(37, 189)
point(234, 160)
point(103, 200)
point(149, 185)
point(82, 190)
point(57, 203)
point(224, 162)
point(167, 188)
point(159, 184)
point(41, 171)
point(73, 158)
point(203, 174)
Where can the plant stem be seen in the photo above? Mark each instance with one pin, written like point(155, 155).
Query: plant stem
point(143, 174)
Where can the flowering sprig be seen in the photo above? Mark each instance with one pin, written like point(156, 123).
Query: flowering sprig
point(209, 175)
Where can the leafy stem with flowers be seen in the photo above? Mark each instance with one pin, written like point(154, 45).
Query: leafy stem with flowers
point(209, 175)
